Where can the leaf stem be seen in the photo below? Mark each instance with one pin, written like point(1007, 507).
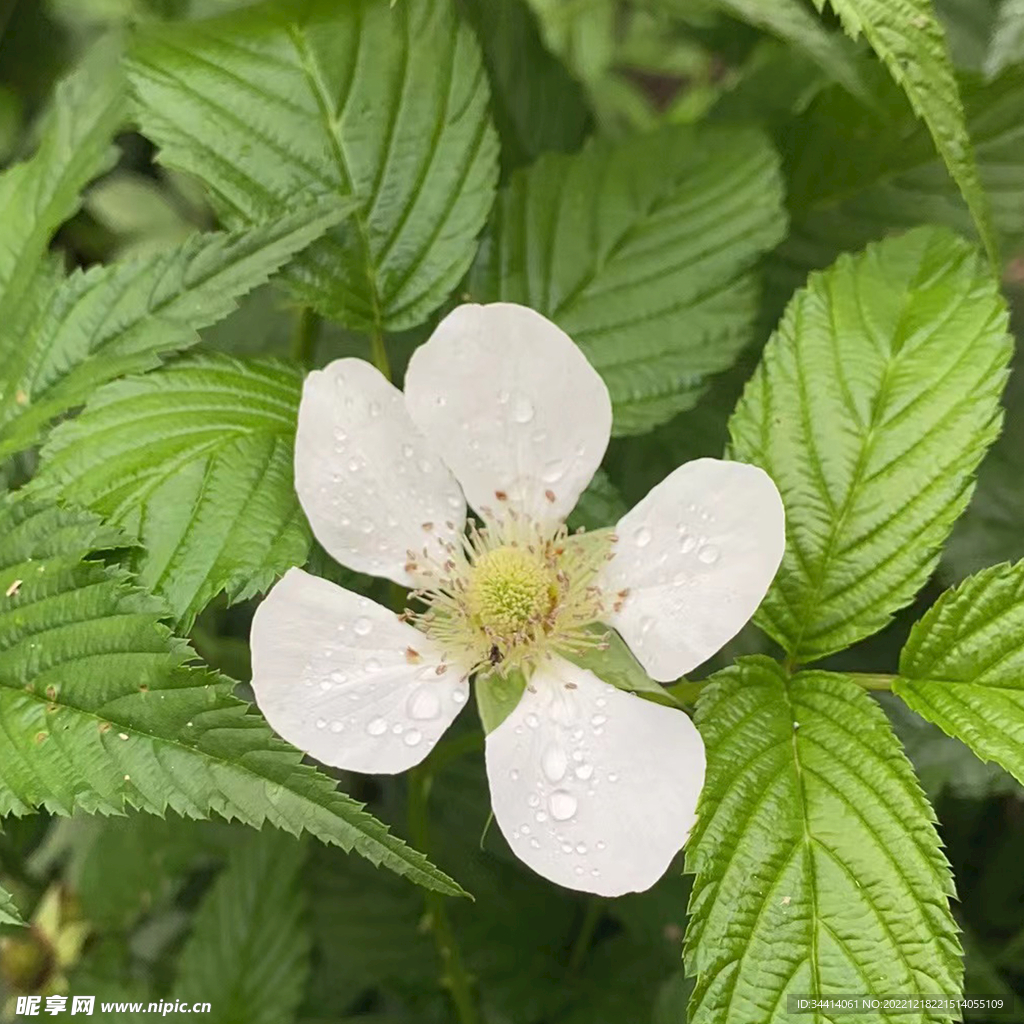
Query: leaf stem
point(871, 680)
point(580, 948)
point(379, 352)
point(304, 337)
point(455, 977)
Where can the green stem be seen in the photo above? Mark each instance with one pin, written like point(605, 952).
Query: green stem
point(455, 978)
point(304, 337)
point(580, 948)
point(379, 352)
point(871, 680)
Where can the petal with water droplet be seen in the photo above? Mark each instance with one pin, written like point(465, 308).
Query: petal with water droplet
point(713, 535)
point(391, 711)
point(360, 475)
point(526, 415)
point(622, 836)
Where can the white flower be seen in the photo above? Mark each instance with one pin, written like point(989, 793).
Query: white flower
point(593, 787)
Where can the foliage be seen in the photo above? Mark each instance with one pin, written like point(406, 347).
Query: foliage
point(791, 232)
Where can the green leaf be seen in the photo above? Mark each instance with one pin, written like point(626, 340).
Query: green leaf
point(537, 105)
point(104, 711)
point(9, 913)
point(382, 103)
point(37, 196)
point(911, 42)
point(195, 461)
point(643, 252)
point(856, 173)
point(248, 953)
point(600, 505)
point(616, 664)
point(1007, 46)
point(121, 318)
point(818, 867)
point(497, 695)
point(962, 666)
point(875, 401)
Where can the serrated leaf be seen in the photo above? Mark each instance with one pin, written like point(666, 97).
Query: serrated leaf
point(37, 196)
point(382, 103)
point(643, 252)
point(856, 172)
point(195, 461)
point(248, 953)
point(1007, 46)
point(818, 867)
point(875, 401)
point(911, 42)
point(103, 709)
point(9, 913)
point(962, 666)
point(120, 318)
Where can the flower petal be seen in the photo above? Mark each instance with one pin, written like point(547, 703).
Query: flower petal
point(594, 788)
point(366, 476)
point(334, 674)
point(697, 556)
point(513, 407)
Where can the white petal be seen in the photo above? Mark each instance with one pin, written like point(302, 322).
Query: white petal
point(697, 556)
point(366, 476)
point(332, 675)
point(594, 788)
point(513, 407)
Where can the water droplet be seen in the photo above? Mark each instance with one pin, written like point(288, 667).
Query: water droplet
point(374, 408)
point(440, 401)
point(412, 737)
point(566, 848)
point(535, 843)
point(321, 723)
point(562, 805)
point(326, 684)
point(353, 465)
point(503, 397)
point(553, 472)
point(689, 543)
point(539, 436)
point(371, 665)
point(514, 774)
point(533, 800)
point(525, 829)
point(578, 870)
point(708, 554)
point(577, 734)
point(377, 727)
point(532, 720)
point(407, 451)
point(424, 465)
point(600, 702)
point(522, 409)
point(612, 777)
point(642, 537)
point(398, 728)
point(584, 771)
point(367, 526)
point(337, 727)
point(541, 816)
point(455, 502)
point(581, 849)
point(458, 696)
point(424, 704)
point(601, 844)
point(647, 624)
point(598, 719)
point(554, 762)
point(338, 677)
point(362, 626)
point(577, 755)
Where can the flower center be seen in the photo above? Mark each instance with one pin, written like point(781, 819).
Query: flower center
point(509, 590)
point(509, 594)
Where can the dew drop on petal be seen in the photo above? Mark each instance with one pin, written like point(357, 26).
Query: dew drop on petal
point(413, 737)
point(407, 451)
point(553, 472)
point(514, 774)
point(554, 762)
point(562, 805)
point(321, 723)
point(362, 626)
point(337, 727)
point(541, 816)
point(688, 544)
point(581, 849)
point(532, 720)
point(371, 665)
point(424, 704)
point(535, 843)
point(601, 844)
point(584, 771)
point(522, 409)
point(598, 719)
point(612, 777)
point(338, 677)
point(642, 536)
point(458, 696)
point(398, 728)
point(708, 554)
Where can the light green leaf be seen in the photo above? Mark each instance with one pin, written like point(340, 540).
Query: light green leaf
point(818, 867)
point(195, 461)
point(615, 664)
point(104, 710)
point(644, 253)
point(497, 694)
point(856, 173)
point(37, 196)
point(1007, 46)
point(911, 42)
point(875, 401)
point(248, 954)
point(9, 913)
point(962, 666)
point(382, 103)
point(121, 318)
